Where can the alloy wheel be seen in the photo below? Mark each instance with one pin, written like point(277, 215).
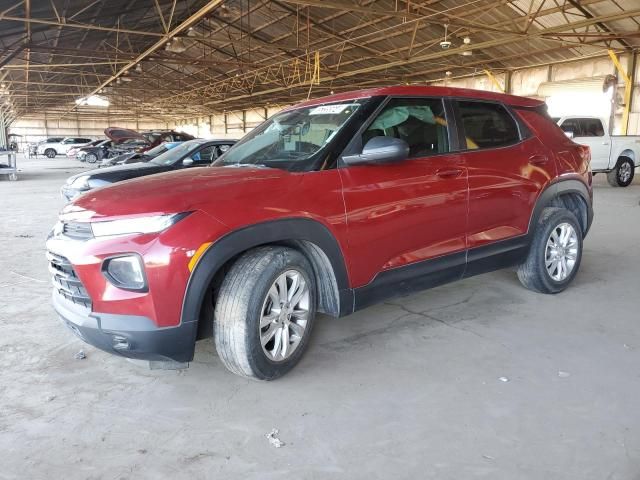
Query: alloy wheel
point(624, 172)
point(284, 316)
point(561, 252)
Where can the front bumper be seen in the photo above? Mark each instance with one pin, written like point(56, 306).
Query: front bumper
point(128, 335)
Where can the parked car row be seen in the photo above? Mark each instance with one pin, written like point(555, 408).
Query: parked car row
point(118, 141)
point(329, 206)
point(163, 158)
point(60, 146)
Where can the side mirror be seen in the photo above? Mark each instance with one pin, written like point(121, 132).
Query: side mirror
point(569, 133)
point(380, 150)
point(187, 162)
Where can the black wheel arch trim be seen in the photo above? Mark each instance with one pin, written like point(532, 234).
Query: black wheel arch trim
point(241, 240)
point(556, 189)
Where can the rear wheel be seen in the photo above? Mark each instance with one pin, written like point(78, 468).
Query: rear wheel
point(555, 253)
point(91, 158)
point(50, 153)
point(622, 174)
point(264, 312)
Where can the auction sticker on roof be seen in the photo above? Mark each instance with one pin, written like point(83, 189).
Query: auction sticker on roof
point(329, 109)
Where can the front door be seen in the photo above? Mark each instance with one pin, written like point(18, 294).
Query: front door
point(407, 219)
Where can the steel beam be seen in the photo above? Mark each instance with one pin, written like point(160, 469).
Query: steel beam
point(82, 26)
point(189, 22)
point(448, 53)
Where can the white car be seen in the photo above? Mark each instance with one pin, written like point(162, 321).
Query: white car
point(616, 155)
point(51, 149)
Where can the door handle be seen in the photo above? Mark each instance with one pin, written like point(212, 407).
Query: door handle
point(449, 172)
point(538, 159)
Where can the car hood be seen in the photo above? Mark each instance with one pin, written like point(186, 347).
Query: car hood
point(121, 134)
point(120, 172)
point(218, 191)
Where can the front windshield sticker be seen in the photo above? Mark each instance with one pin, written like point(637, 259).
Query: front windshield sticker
point(329, 109)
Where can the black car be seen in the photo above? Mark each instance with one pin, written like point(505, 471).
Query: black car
point(194, 153)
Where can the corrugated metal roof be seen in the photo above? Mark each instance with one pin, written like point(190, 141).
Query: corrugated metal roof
point(249, 52)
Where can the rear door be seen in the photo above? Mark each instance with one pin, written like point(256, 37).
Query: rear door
point(508, 168)
point(406, 219)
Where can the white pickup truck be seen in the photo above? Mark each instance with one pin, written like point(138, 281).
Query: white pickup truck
point(616, 155)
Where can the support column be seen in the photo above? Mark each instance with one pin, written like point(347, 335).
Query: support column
point(3, 131)
point(507, 81)
point(628, 88)
point(494, 80)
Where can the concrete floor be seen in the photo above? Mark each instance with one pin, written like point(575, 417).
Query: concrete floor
point(409, 389)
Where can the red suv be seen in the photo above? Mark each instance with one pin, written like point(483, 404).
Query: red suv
point(329, 206)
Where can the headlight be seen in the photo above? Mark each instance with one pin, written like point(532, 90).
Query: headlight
point(153, 224)
point(125, 272)
point(81, 182)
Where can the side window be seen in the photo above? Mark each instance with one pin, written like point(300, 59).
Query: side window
point(591, 127)
point(204, 156)
point(487, 125)
point(418, 121)
point(572, 125)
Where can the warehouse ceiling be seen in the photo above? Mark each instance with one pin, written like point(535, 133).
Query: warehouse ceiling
point(177, 59)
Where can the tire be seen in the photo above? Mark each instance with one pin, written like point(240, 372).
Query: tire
point(622, 174)
point(91, 158)
point(248, 294)
point(50, 153)
point(533, 273)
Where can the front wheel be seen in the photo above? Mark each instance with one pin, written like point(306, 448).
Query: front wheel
point(265, 312)
point(555, 252)
point(622, 174)
point(91, 158)
point(50, 153)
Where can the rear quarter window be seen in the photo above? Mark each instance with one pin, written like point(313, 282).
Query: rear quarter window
point(487, 125)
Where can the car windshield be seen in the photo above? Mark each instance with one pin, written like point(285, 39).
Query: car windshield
point(155, 151)
point(291, 138)
point(177, 153)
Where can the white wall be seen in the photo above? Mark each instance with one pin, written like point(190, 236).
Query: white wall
point(525, 82)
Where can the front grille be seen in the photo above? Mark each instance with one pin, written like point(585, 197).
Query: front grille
point(66, 281)
point(77, 230)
